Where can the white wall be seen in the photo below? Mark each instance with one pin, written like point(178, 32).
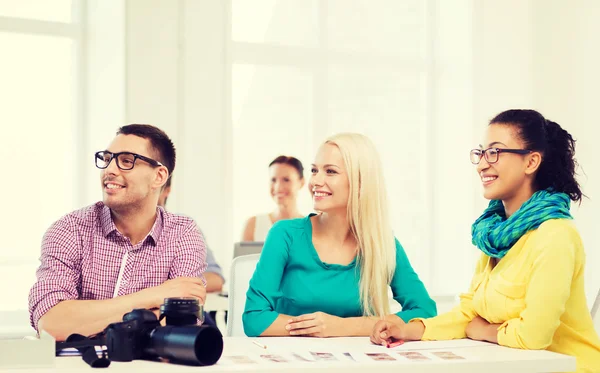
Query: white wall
point(565, 82)
point(176, 80)
point(168, 63)
point(545, 55)
point(493, 56)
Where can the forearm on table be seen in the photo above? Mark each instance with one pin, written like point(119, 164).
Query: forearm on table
point(278, 327)
point(88, 317)
point(363, 325)
point(214, 282)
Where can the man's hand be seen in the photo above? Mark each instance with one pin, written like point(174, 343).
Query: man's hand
point(188, 287)
point(480, 329)
point(386, 332)
point(317, 324)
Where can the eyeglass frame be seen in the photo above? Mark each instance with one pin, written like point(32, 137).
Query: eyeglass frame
point(115, 156)
point(498, 150)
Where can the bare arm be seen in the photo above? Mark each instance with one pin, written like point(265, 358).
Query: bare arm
point(277, 328)
point(88, 317)
point(248, 234)
point(214, 282)
point(320, 324)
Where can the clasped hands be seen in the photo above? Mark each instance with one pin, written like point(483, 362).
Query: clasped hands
point(316, 324)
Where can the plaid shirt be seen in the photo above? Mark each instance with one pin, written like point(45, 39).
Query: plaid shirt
point(84, 256)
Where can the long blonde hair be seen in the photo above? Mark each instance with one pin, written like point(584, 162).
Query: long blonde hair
point(369, 220)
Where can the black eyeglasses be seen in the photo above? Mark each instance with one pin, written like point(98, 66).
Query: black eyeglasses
point(491, 154)
point(125, 160)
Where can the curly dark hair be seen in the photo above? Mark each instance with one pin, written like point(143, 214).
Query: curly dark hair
point(557, 170)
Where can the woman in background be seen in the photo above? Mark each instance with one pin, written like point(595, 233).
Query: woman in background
point(328, 275)
point(528, 288)
point(287, 178)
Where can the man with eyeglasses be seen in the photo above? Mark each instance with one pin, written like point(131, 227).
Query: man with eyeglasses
point(104, 260)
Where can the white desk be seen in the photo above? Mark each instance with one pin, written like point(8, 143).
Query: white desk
point(216, 302)
point(479, 357)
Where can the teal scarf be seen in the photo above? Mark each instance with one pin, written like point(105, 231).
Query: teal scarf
point(494, 234)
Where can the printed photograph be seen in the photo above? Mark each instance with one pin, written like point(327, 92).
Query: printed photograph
point(413, 355)
point(380, 356)
point(275, 358)
point(323, 356)
point(239, 359)
point(447, 355)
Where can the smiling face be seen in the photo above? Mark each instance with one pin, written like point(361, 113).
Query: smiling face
point(135, 188)
point(285, 183)
point(506, 178)
point(329, 184)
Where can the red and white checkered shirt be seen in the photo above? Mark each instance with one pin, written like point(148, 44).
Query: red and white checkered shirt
point(84, 256)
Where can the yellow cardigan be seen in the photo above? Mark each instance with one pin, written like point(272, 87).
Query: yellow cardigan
point(536, 292)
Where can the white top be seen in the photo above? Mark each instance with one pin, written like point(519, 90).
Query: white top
point(261, 227)
point(476, 357)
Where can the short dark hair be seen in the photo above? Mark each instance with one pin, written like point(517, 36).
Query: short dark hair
point(160, 143)
point(291, 161)
point(558, 167)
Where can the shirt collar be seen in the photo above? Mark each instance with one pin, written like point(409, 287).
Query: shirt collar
point(108, 225)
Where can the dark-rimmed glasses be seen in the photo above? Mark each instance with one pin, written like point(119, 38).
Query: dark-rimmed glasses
point(125, 160)
point(492, 154)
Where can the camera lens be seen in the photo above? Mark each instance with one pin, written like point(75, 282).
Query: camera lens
point(196, 345)
point(182, 311)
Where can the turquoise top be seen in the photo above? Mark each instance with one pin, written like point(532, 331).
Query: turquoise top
point(290, 279)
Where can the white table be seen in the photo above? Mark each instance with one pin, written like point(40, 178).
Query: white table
point(479, 357)
point(216, 302)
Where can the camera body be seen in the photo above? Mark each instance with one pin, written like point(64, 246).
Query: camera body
point(128, 340)
point(182, 340)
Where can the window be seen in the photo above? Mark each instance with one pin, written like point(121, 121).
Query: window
point(39, 95)
point(302, 70)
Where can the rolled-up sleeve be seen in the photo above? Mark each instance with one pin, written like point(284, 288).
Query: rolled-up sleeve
point(264, 289)
point(190, 260)
point(59, 273)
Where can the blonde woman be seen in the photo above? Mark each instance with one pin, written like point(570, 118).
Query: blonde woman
point(327, 275)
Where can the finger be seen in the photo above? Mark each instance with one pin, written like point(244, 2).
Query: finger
point(301, 325)
point(394, 331)
point(307, 331)
point(376, 339)
point(200, 295)
point(308, 316)
point(380, 326)
point(384, 339)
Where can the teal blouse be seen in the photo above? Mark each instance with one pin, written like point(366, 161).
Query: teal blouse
point(291, 279)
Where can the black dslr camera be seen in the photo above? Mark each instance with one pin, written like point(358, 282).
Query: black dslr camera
point(140, 335)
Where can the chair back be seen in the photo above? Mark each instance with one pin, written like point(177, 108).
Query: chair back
point(242, 269)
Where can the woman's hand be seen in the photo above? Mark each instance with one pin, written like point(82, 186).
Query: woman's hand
point(317, 324)
point(386, 332)
point(480, 329)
